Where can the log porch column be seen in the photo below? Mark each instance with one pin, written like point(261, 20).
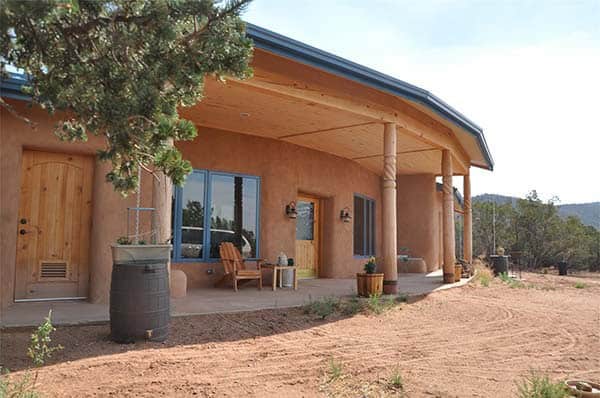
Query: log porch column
point(467, 219)
point(448, 217)
point(390, 267)
point(162, 188)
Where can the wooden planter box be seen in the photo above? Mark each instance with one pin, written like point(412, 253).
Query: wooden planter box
point(457, 273)
point(369, 284)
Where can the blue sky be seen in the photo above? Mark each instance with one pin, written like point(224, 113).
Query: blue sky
point(528, 72)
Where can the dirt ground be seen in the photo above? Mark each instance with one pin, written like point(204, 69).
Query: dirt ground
point(472, 341)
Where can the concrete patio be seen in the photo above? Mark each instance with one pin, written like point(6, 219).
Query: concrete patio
point(212, 300)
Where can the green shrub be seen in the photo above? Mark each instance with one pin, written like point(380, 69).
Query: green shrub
point(483, 274)
point(39, 348)
point(504, 277)
point(323, 308)
point(39, 351)
point(18, 388)
point(352, 306)
point(511, 282)
point(402, 298)
point(580, 285)
point(335, 370)
point(378, 305)
point(536, 386)
point(395, 381)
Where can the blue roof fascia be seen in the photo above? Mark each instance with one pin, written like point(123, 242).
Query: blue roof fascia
point(11, 87)
point(298, 51)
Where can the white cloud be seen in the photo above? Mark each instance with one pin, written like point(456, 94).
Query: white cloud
point(536, 97)
point(538, 106)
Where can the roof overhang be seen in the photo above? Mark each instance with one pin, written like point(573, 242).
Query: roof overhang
point(314, 123)
point(289, 48)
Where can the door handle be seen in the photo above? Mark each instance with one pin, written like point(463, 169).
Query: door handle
point(23, 221)
point(22, 232)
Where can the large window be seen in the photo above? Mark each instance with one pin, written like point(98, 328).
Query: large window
point(214, 207)
point(364, 226)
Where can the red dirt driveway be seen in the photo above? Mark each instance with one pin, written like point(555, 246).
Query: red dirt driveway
point(466, 342)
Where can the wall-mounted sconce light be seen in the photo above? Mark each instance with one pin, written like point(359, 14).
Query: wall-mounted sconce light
point(290, 210)
point(345, 215)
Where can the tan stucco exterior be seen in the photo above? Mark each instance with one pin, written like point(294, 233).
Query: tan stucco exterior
point(302, 131)
point(285, 171)
point(109, 214)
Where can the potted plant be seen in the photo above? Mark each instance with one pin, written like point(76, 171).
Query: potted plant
point(369, 283)
point(127, 250)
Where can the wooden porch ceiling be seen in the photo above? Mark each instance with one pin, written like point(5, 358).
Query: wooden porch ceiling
point(251, 108)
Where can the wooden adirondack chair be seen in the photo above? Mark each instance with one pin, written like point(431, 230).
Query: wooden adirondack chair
point(235, 267)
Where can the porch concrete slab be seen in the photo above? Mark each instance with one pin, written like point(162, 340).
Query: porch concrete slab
point(212, 300)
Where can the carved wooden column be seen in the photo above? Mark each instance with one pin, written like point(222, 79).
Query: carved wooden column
point(467, 219)
point(448, 217)
point(390, 254)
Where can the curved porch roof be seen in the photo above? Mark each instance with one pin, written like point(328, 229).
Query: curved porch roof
point(301, 52)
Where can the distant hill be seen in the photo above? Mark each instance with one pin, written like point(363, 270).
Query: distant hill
point(588, 213)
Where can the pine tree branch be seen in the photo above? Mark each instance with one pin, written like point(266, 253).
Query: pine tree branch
point(16, 114)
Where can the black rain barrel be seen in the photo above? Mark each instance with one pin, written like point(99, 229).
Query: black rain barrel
point(139, 301)
point(499, 264)
point(562, 268)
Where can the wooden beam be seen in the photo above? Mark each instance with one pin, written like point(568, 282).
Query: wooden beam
point(288, 79)
point(397, 153)
point(324, 130)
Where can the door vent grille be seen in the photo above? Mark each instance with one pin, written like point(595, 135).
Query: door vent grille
point(53, 270)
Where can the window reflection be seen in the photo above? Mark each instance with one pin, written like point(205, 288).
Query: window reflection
point(234, 202)
point(364, 226)
point(192, 217)
point(305, 220)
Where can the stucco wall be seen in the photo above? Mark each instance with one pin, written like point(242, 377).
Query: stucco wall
point(109, 208)
point(418, 218)
point(286, 170)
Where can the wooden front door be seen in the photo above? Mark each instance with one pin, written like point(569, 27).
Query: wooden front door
point(53, 230)
point(307, 237)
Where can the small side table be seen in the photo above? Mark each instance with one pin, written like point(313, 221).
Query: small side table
point(277, 269)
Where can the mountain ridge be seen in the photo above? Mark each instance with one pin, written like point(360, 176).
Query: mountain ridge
point(588, 213)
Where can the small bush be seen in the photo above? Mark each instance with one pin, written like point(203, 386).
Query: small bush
point(39, 351)
point(395, 381)
point(580, 285)
point(483, 273)
point(536, 386)
point(18, 388)
point(323, 308)
point(352, 306)
point(402, 298)
point(335, 370)
point(378, 305)
point(39, 348)
point(511, 282)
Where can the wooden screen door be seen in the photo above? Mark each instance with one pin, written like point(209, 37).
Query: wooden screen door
point(53, 229)
point(307, 237)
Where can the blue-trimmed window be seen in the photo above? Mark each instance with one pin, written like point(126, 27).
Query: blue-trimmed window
point(214, 207)
point(364, 226)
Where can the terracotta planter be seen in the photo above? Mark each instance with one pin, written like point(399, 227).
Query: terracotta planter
point(457, 273)
point(369, 284)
